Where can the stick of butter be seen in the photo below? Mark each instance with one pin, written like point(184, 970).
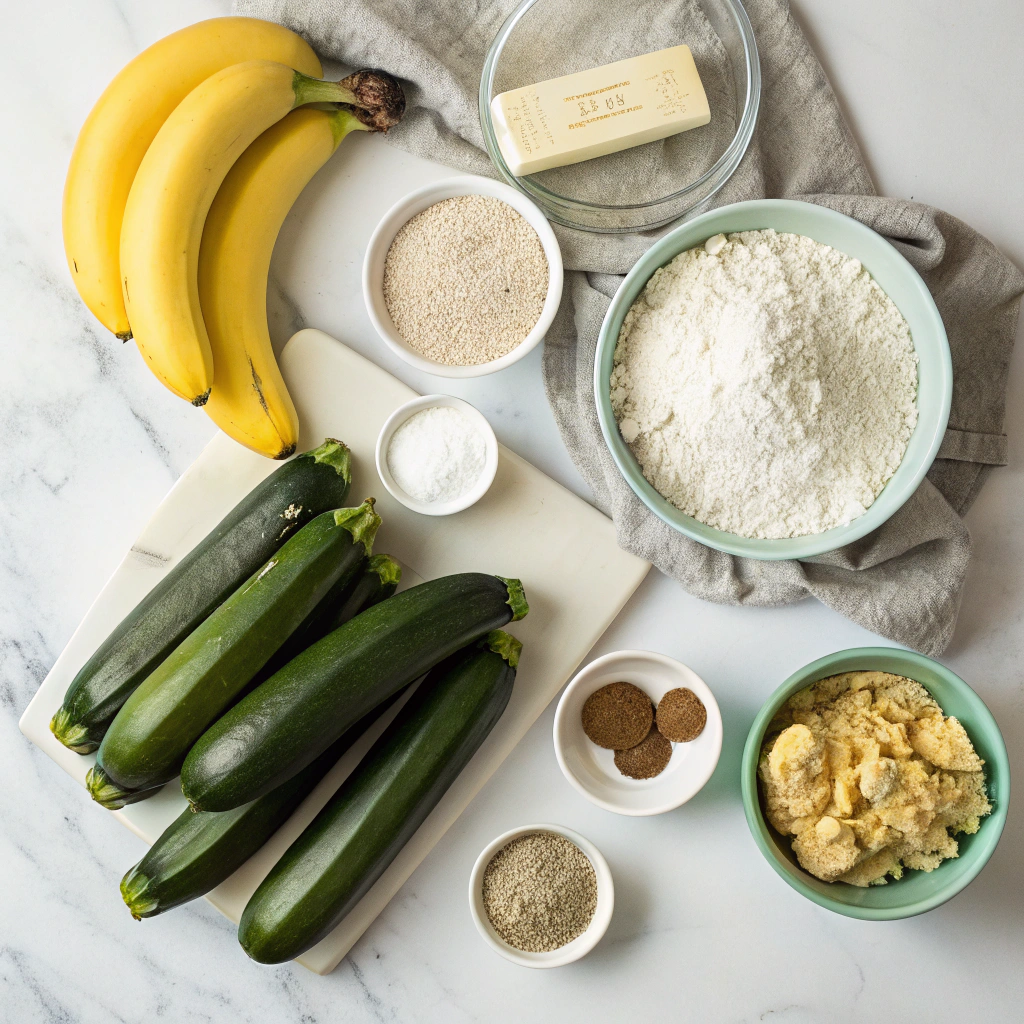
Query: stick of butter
point(600, 111)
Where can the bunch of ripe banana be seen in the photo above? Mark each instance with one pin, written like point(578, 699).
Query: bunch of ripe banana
point(178, 186)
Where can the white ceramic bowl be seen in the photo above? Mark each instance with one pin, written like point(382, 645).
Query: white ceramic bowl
point(591, 769)
point(579, 946)
point(437, 508)
point(416, 202)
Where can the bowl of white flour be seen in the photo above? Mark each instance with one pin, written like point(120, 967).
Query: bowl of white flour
point(773, 379)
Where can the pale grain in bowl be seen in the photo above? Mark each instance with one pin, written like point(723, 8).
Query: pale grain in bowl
point(465, 280)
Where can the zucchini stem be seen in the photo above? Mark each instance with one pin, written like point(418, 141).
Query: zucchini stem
point(503, 644)
point(386, 568)
point(73, 735)
point(516, 598)
point(133, 892)
point(107, 793)
point(362, 522)
point(335, 454)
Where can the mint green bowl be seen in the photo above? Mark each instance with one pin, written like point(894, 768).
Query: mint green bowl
point(917, 891)
point(895, 276)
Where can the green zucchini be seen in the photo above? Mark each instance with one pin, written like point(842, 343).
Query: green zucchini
point(378, 580)
point(244, 539)
point(301, 710)
point(109, 794)
point(198, 850)
point(148, 740)
point(374, 581)
point(376, 810)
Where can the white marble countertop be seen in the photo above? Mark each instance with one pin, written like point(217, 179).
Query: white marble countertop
point(703, 927)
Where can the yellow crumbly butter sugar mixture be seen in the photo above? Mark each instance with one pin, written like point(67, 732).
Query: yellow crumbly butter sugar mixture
point(869, 776)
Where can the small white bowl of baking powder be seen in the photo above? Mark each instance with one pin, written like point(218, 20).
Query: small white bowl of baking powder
point(437, 455)
point(447, 285)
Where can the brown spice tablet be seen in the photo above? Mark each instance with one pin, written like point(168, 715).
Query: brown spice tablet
point(617, 716)
point(681, 715)
point(646, 759)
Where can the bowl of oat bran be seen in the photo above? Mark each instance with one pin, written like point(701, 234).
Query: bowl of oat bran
point(917, 891)
point(462, 277)
point(751, 424)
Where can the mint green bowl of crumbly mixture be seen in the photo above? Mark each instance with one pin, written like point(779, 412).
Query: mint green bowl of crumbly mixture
point(759, 450)
point(917, 891)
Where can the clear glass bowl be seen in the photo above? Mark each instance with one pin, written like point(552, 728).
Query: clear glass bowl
point(647, 186)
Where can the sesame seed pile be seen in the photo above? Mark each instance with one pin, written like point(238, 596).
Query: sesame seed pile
point(465, 280)
point(540, 892)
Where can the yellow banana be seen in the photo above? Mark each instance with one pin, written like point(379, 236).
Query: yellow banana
point(170, 197)
point(176, 184)
point(124, 122)
point(249, 400)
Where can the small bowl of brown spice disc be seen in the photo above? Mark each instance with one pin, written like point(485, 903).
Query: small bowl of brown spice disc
point(637, 733)
point(462, 277)
point(541, 895)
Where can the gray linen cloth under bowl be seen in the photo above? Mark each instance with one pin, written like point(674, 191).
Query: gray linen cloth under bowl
point(905, 580)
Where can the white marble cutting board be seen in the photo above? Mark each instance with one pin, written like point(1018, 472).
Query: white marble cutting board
point(527, 526)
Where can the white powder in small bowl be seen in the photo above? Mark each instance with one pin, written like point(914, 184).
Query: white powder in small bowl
point(437, 454)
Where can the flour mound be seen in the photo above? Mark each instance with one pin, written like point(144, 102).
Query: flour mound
point(767, 390)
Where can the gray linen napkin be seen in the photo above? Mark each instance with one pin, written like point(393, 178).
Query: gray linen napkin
point(905, 580)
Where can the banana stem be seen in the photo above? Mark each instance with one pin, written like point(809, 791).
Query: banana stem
point(376, 98)
point(344, 121)
point(313, 90)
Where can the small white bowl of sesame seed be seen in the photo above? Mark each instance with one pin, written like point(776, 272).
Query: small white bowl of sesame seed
point(463, 277)
point(553, 871)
